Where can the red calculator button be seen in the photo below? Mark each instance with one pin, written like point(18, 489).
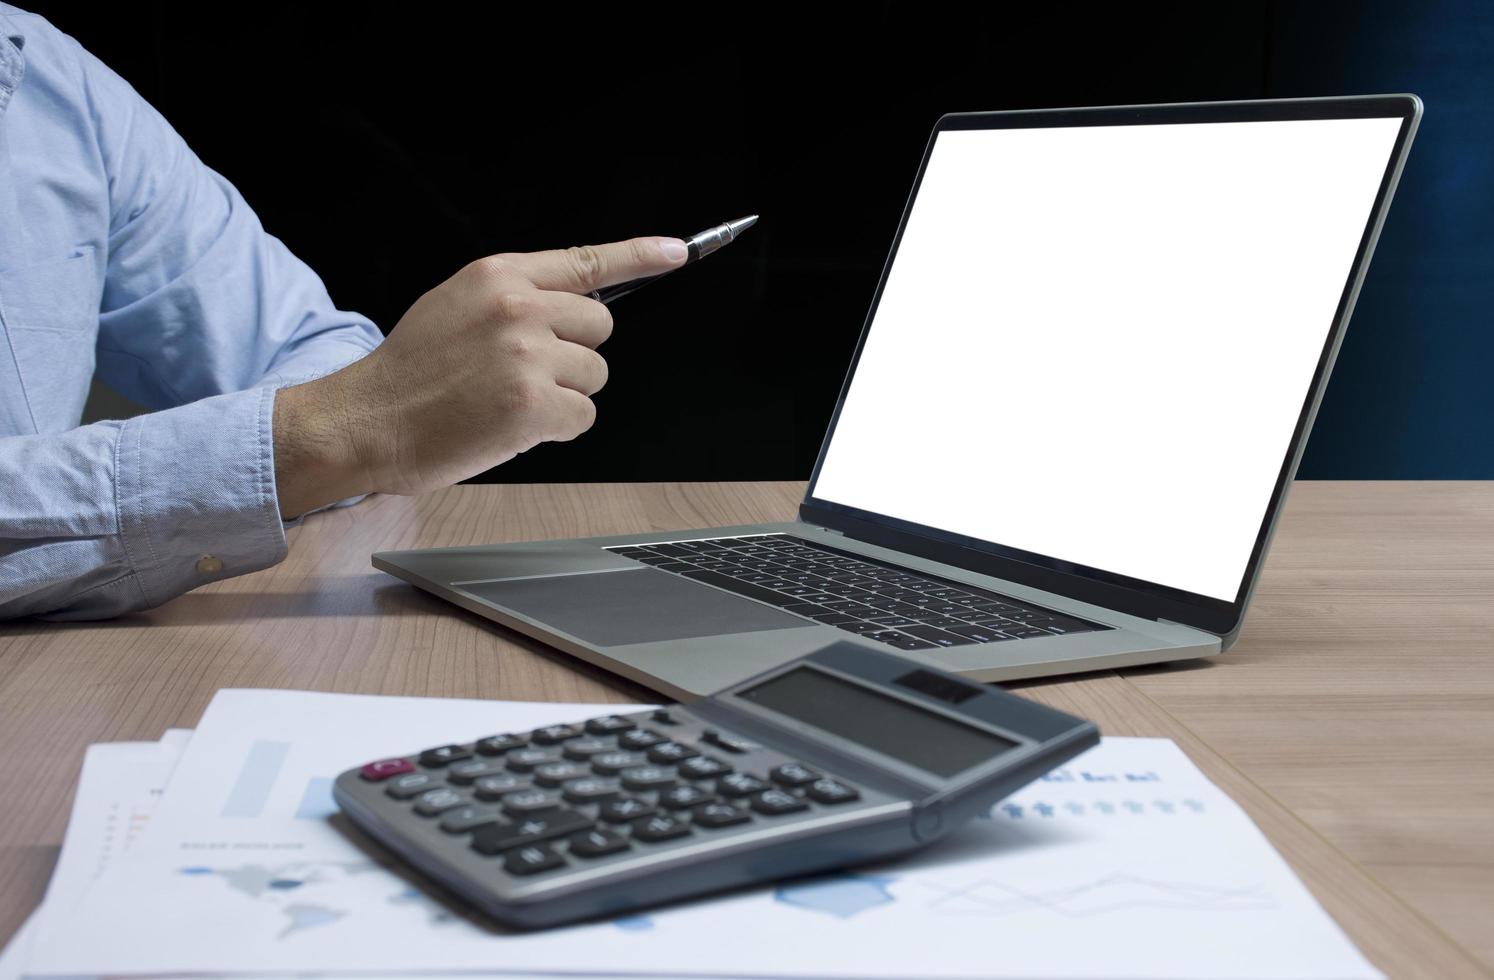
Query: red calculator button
point(384, 768)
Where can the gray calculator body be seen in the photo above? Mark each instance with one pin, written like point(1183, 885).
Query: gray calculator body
point(842, 757)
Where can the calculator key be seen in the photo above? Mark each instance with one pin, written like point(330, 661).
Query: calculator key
point(532, 860)
point(499, 744)
point(670, 753)
point(831, 791)
point(623, 810)
point(597, 842)
point(659, 827)
point(525, 760)
point(609, 725)
point(412, 784)
point(648, 777)
point(444, 755)
point(527, 801)
point(590, 789)
point(684, 797)
point(793, 774)
point(498, 837)
point(663, 717)
point(739, 784)
point(496, 787)
point(728, 742)
point(703, 767)
point(554, 734)
point(469, 817)
point(468, 772)
point(775, 801)
point(612, 763)
point(434, 802)
point(713, 815)
point(582, 749)
point(555, 773)
point(640, 738)
point(377, 771)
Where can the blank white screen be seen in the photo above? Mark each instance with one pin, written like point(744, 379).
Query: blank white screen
point(1094, 342)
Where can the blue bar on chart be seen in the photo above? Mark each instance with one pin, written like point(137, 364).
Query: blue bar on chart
point(251, 791)
point(316, 802)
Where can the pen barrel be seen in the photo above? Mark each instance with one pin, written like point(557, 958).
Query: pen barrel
point(709, 241)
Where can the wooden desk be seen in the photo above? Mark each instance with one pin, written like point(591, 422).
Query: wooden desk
point(1354, 721)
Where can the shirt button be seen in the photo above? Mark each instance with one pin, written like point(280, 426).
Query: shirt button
point(209, 565)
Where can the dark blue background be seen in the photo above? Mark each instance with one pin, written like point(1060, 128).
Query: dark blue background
point(390, 144)
point(1412, 395)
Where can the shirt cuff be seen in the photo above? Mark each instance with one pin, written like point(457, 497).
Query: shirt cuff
point(196, 493)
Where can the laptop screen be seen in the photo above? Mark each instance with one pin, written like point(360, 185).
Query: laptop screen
point(1094, 343)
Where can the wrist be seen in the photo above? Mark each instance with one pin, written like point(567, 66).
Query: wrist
point(316, 457)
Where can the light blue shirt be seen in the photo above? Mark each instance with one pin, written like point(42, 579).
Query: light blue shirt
point(121, 254)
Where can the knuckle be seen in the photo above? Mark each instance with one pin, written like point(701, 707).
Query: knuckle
point(490, 267)
point(519, 346)
point(523, 396)
point(586, 260)
point(512, 304)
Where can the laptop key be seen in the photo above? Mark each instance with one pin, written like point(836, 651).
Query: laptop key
point(1063, 628)
point(806, 609)
point(846, 605)
point(980, 634)
point(937, 636)
point(834, 619)
point(1024, 632)
point(860, 627)
point(656, 560)
point(743, 589)
point(905, 642)
point(668, 549)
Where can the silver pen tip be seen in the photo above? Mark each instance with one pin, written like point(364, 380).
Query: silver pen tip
point(741, 225)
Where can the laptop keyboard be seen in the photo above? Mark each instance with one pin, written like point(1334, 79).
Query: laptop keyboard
point(881, 601)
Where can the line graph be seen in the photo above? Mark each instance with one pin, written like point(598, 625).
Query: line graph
point(1115, 892)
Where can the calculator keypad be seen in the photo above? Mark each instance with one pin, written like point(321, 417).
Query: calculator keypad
point(537, 802)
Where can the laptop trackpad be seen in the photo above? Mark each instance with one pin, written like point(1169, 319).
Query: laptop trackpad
point(631, 606)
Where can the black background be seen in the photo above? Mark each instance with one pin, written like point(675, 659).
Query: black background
point(390, 144)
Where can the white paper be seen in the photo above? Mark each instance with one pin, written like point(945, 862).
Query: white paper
point(1126, 863)
point(118, 790)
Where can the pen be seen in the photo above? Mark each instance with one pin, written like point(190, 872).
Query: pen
point(700, 245)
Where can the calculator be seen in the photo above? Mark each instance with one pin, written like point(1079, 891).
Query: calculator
point(845, 756)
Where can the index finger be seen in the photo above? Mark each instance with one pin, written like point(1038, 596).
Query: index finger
point(587, 267)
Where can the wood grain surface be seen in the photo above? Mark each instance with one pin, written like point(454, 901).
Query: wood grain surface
point(1354, 720)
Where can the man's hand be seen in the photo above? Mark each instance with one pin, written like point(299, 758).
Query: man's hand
point(497, 359)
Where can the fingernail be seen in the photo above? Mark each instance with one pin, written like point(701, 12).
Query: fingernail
point(673, 249)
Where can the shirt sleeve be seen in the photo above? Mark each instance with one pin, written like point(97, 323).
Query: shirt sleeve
point(203, 317)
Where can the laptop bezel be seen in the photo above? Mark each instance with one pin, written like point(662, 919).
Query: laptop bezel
point(1148, 600)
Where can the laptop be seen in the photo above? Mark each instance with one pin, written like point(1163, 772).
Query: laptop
point(1081, 392)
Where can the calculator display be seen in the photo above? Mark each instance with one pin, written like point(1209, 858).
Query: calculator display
point(892, 726)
